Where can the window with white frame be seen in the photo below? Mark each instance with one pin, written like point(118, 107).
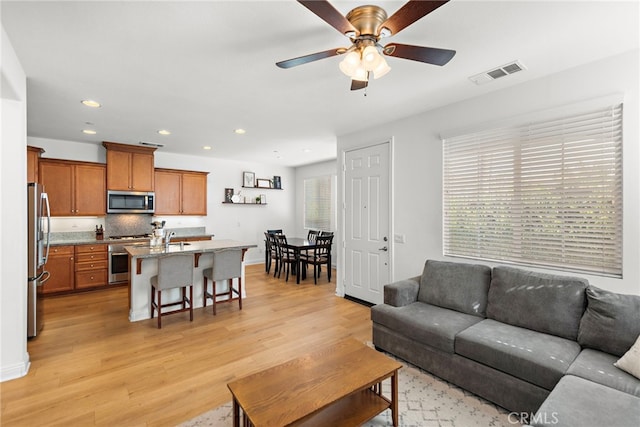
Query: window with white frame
point(546, 193)
point(318, 203)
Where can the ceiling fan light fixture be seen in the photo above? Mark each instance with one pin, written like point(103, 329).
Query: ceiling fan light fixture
point(382, 69)
point(350, 63)
point(371, 58)
point(360, 74)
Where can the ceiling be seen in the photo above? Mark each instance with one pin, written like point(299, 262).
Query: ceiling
point(202, 69)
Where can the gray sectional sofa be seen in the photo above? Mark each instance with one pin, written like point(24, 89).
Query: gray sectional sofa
point(537, 344)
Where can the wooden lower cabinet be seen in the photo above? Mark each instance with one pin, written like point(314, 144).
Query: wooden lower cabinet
point(91, 266)
point(74, 268)
point(60, 266)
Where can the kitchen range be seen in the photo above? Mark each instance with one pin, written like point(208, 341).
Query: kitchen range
point(119, 258)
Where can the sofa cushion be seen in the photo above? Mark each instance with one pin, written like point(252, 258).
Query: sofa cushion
point(425, 323)
point(598, 366)
point(579, 402)
point(630, 361)
point(538, 358)
point(402, 292)
point(611, 322)
point(460, 287)
point(546, 303)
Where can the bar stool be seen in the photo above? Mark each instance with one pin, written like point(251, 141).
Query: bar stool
point(227, 265)
point(174, 271)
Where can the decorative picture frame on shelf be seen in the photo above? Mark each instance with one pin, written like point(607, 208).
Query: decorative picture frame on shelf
point(248, 179)
point(263, 199)
point(263, 183)
point(228, 195)
point(276, 182)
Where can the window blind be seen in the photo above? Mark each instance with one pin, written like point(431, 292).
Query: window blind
point(546, 193)
point(317, 203)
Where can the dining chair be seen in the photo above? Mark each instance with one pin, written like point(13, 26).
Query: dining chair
point(320, 255)
point(174, 271)
point(287, 255)
point(271, 248)
point(227, 265)
point(312, 234)
point(326, 233)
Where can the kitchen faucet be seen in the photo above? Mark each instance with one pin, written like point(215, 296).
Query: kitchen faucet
point(167, 240)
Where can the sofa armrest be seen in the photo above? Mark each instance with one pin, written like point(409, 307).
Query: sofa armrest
point(402, 292)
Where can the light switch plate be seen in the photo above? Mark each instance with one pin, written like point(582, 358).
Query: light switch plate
point(398, 238)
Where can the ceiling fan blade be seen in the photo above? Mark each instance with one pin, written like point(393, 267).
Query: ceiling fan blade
point(409, 13)
point(329, 14)
point(430, 55)
point(310, 58)
point(358, 84)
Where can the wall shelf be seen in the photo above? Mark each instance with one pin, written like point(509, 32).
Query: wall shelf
point(263, 188)
point(243, 203)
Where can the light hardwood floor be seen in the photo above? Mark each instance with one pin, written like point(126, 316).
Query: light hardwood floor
point(91, 366)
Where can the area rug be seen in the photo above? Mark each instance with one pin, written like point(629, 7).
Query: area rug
point(423, 401)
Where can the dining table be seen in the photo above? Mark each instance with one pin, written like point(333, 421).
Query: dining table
point(299, 244)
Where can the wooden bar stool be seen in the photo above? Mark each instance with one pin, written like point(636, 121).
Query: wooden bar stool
point(174, 271)
point(227, 265)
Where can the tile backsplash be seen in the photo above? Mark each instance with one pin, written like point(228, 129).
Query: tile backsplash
point(127, 224)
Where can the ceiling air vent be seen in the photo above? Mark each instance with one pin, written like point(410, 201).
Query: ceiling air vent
point(496, 73)
point(151, 144)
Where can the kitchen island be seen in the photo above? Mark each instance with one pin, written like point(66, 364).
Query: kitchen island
point(144, 265)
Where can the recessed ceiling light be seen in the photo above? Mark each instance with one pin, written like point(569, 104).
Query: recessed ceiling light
point(240, 131)
point(306, 150)
point(91, 103)
point(206, 147)
point(89, 131)
point(164, 132)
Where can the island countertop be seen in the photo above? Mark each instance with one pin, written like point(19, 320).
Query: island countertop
point(146, 251)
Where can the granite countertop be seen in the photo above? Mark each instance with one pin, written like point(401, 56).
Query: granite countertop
point(143, 251)
point(89, 237)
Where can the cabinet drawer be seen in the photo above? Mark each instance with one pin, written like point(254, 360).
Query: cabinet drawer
point(61, 250)
point(87, 249)
point(88, 257)
point(92, 265)
point(89, 279)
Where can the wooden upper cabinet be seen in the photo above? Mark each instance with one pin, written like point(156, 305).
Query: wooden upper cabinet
point(194, 193)
point(168, 197)
point(33, 157)
point(181, 192)
point(129, 167)
point(74, 188)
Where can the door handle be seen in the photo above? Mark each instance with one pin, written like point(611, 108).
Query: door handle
point(384, 248)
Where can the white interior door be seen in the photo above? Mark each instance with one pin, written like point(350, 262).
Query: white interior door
point(367, 226)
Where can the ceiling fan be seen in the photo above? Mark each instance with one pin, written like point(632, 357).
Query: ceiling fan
point(365, 26)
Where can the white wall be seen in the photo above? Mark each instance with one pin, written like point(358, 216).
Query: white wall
point(226, 221)
point(417, 180)
point(14, 359)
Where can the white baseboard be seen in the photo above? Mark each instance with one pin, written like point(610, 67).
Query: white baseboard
point(16, 370)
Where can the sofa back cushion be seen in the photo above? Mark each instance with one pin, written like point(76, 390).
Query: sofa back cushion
point(546, 303)
point(457, 286)
point(611, 322)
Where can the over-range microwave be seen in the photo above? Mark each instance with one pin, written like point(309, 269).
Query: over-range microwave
point(130, 202)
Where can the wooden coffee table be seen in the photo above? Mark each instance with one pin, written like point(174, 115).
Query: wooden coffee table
point(340, 385)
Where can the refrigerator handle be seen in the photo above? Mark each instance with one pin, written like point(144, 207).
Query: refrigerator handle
point(45, 197)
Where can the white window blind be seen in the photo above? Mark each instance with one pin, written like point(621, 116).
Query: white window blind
point(547, 193)
point(317, 203)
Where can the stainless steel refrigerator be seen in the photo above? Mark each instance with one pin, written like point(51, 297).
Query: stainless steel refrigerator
point(39, 222)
